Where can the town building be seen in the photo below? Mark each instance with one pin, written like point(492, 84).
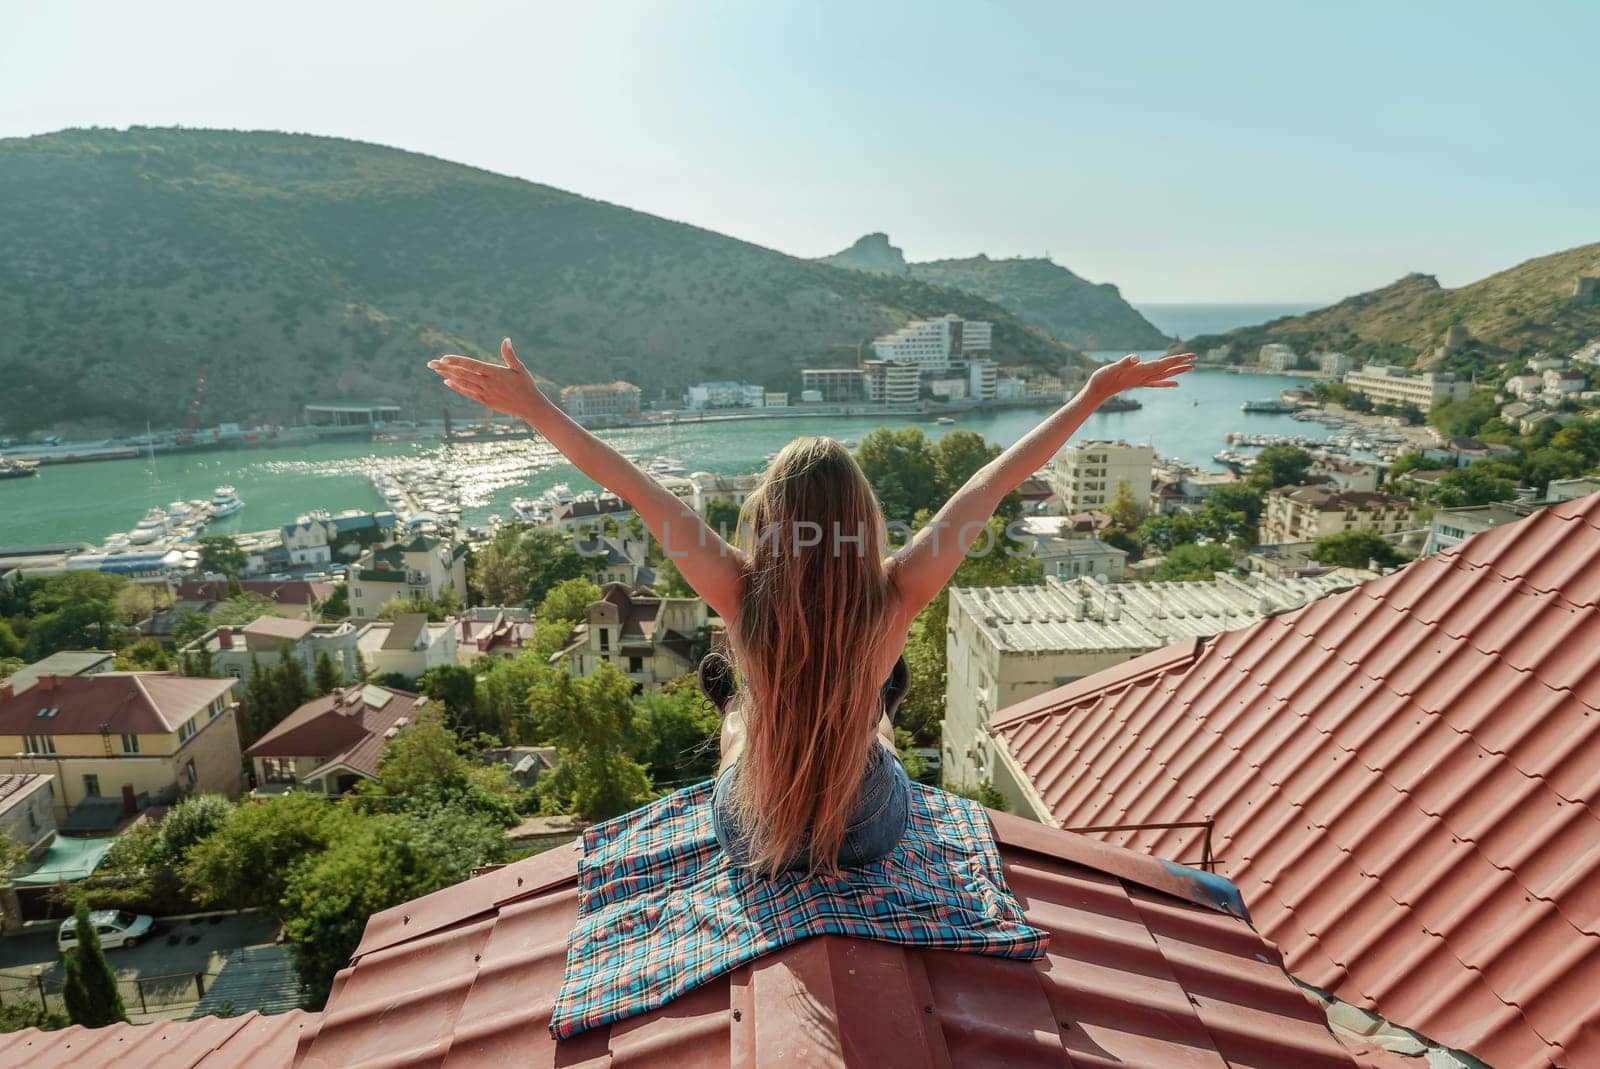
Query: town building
point(1542, 362)
point(983, 379)
point(1569, 489)
point(315, 538)
point(61, 663)
point(725, 393)
point(592, 513)
point(706, 487)
point(331, 743)
point(1009, 388)
point(1276, 356)
point(1385, 385)
point(407, 646)
point(492, 631)
point(1334, 365)
point(1045, 388)
point(425, 565)
point(776, 399)
point(934, 344)
point(1309, 513)
point(1392, 773)
point(1451, 527)
point(27, 814)
point(1005, 644)
point(296, 598)
point(618, 558)
point(892, 383)
point(116, 741)
point(834, 385)
point(1564, 382)
point(1347, 474)
point(1065, 554)
point(949, 387)
point(608, 401)
point(1086, 475)
point(352, 417)
point(230, 648)
point(649, 639)
point(1525, 385)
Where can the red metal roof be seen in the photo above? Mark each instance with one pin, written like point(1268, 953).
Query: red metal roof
point(207, 1043)
point(1403, 780)
point(341, 727)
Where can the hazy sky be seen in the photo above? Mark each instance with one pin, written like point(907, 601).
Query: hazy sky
point(1185, 151)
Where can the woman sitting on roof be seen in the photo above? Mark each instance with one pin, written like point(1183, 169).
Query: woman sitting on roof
point(816, 615)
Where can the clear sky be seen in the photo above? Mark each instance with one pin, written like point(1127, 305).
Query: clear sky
point(1276, 151)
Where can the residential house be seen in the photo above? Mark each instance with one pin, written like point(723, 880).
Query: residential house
point(1309, 513)
point(331, 743)
point(407, 646)
point(1066, 554)
point(1451, 527)
point(27, 812)
point(591, 513)
point(1396, 777)
point(706, 487)
point(1569, 489)
point(1086, 475)
point(118, 738)
point(1565, 382)
point(318, 539)
point(1525, 385)
point(649, 639)
point(618, 558)
point(1347, 475)
point(1543, 362)
point(492, 631)
point(232, 647)
point(1005, 644)
point(425, 565)
point(62, 663)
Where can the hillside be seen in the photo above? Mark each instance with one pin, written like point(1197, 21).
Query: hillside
point(306, 268)
point(1515, 313)
point(1039, 291)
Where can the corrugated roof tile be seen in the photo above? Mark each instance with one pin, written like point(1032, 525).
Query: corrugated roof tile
point(1400, 779)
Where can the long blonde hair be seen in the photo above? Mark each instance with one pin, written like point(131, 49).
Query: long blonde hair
point(811, 624)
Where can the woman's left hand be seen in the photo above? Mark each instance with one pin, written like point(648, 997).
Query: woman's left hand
point(509, 389)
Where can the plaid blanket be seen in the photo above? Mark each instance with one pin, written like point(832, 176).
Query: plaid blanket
point(661, 910)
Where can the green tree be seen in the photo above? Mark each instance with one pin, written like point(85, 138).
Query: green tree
point(456, 688)
point(1354, 549)
point(1473, 485)
point(985, 794)
point(568, 601)
point(188, 627)
point(75, 610)
point(447, 604)
point(1166, 533)
point(1407, 462)
point(1189, 562)
point(15, 1016)
point(503, 685)
point(10, 644)
point(337, 605)
point(248, 860)
point(522, 563)
point(670, 582)
point(294, 690)
point(1464, 417)
point(591, 722)
point(145, 655)
point(957, 457)
point(221, 555)
point(328, 675)
point(1123, 540)
point(245, 607)
point(679, 728)
point(89, 987)
point(1280, 465)
point(190, 821)
point(900, 466)
point(1123, 508)
point(722, 516)
point(1231, 513)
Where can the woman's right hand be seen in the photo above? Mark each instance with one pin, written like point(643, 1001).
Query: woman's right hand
point(1130, 372)
point(509, 389)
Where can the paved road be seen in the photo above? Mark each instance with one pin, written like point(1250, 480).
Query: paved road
point(202, 946)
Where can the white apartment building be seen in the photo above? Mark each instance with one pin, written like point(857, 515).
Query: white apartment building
point(1525, 385)
point(1007, 388)
point(983, 380)
point(932, 344)
point(1385, 385)
point(409, 645)
point(1311, 513)
point(610, 399)
point(231, 647)
point(1334, 365)
point(893, 383)
point(833, 384)
point(1085, 475)
point(1563, 382)
point(725, 394)
point(951, 388)
point(1007, 644)
point(1276, 356)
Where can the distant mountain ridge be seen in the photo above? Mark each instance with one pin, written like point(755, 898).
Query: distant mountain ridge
point(1040, 291)
point(1550, 303)
point(309, 268)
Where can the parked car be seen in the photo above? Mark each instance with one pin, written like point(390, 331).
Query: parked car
point(115, 927)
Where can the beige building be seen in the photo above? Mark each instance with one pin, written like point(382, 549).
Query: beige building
point(409, 645)
point(1310, 513)
point(1085, 475)
point(116, 736)
point(424, 565)
point(1385, 385)
point(648, 639)
point(232, 647)
point(1276, 356)
point(27, 815)
point(891, 383)
point(609, 400)
point(1006, 644)
point(835, 384)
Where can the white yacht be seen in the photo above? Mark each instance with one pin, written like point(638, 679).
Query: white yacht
point(147, 530)
point(225, 502)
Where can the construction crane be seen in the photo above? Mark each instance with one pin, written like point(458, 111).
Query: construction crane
point(194, 406)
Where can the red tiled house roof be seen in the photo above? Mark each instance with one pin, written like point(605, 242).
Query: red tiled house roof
point(1143, 969)
point(1403, 780)
point(344, 727)
point(146, 703)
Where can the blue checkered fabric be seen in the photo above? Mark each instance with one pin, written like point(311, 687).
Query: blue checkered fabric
point(661, 910)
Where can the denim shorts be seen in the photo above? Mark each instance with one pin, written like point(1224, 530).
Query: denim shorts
point(872, 833)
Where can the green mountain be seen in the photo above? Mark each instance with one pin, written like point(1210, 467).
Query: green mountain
point(1039, 291)
point(307, 268)
point(1542, 304)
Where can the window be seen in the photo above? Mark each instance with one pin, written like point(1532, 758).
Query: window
point(40, 743)
point(277, 770)
point(636, 664)
point(605, 639)
point(186, 730)
point(217, 706)
point(189, 773)
point(130, 743)
point(91, 786)
point(235, 671)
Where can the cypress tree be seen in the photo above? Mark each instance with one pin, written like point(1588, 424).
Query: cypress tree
point(264, 704)
point(294, 690)
point(327, 675)
point(89, 987)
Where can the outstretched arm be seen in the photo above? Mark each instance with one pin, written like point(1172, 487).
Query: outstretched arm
point(707, 562)
point(921, 569)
